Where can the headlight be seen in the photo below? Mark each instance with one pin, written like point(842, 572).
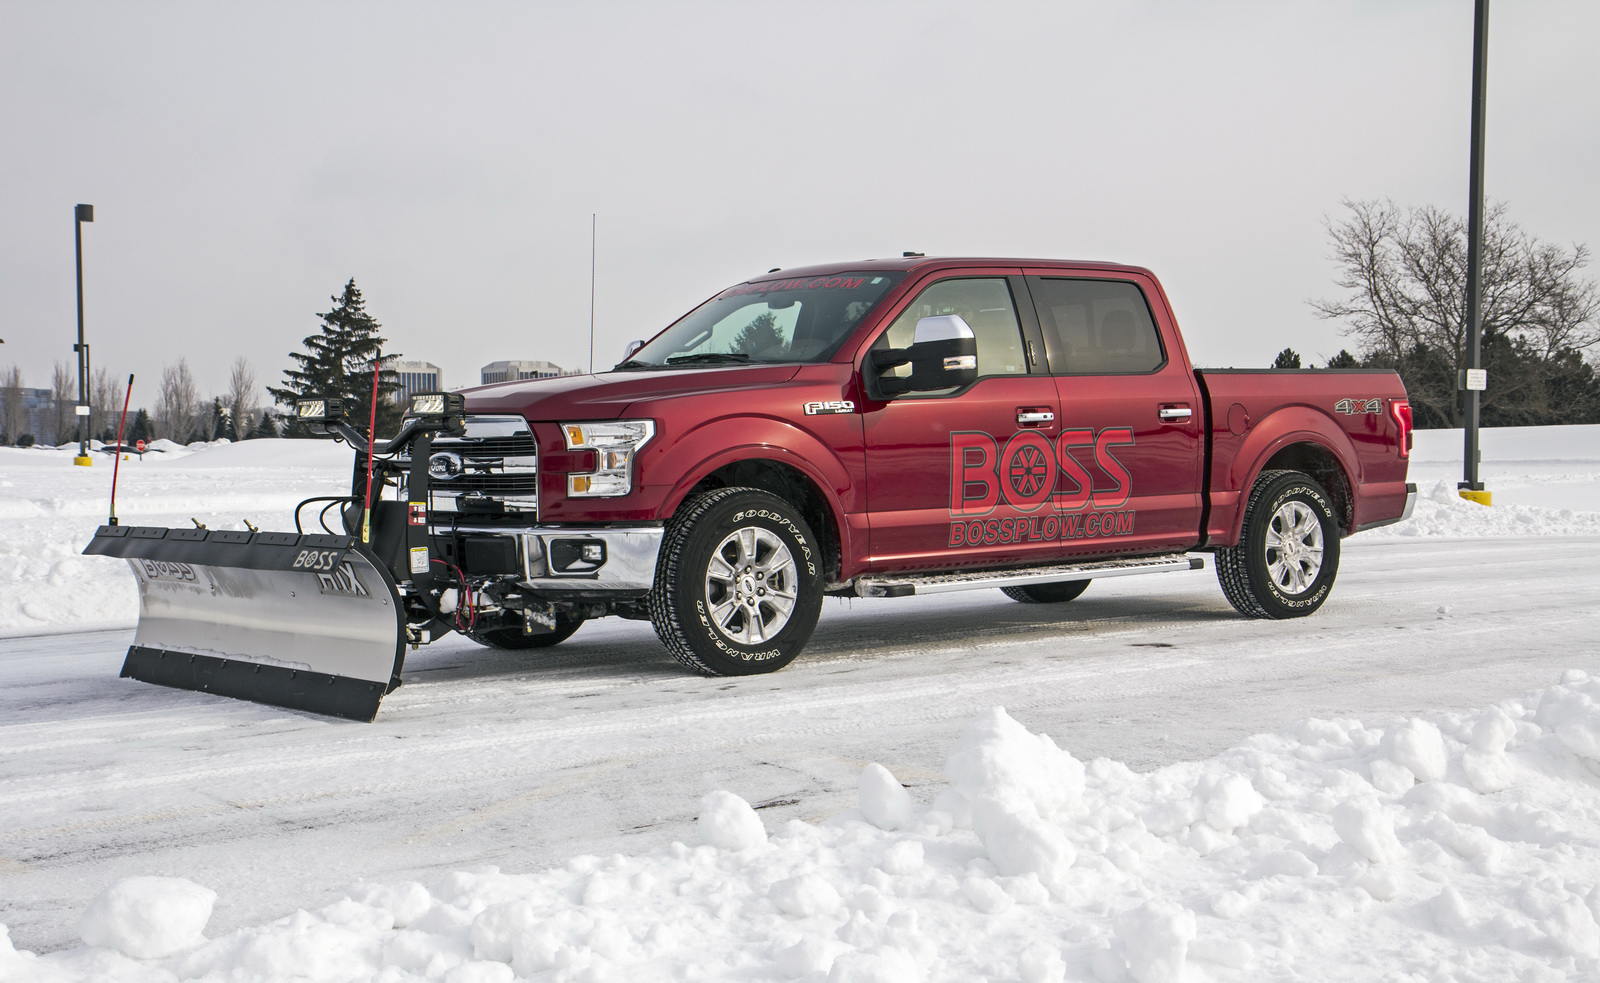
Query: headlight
point(615, 445)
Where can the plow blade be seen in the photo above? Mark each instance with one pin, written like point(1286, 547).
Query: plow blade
point(306, 622)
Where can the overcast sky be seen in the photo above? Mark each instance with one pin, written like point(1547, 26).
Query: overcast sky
point(245, 160)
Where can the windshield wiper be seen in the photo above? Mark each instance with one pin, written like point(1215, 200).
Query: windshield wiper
point(633, 363)
point(709, 358)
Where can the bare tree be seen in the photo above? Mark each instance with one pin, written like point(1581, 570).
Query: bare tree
point(1406, 273)
point(13, 418)
point(177, 404)
point(63, 397)
point(241, 398)
point(105, 401)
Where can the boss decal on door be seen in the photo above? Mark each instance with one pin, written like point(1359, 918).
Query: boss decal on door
point(1032, 488)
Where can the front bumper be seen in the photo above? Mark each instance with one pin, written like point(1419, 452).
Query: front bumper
point(619, 559)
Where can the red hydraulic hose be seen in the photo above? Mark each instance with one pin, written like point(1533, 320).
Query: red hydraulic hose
point(115, 467)
point(372, 435)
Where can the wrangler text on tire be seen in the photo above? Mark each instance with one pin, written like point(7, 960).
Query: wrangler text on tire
point(739, 583)
point(1288, 552)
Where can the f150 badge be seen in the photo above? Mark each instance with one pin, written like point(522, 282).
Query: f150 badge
point(1350, 407)
point(824, 408)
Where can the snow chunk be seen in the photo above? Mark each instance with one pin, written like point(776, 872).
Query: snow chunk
point(884, 801)
point(1368, 828)
point(880, 964)
point(1041, 963)
point(148, 917)
point(1419, 746)
point(1232, 803)
point(1155, 940)
point(813, 955)
point(804, 896)
point(728, 822)
point(998, 758)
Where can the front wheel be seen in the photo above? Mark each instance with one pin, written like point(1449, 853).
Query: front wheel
point(739, 584)
point(1288, 554)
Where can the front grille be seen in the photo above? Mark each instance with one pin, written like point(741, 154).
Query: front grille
point(493, 468)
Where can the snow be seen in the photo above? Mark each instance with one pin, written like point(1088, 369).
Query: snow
point(1145, 806)
point(1320, 875)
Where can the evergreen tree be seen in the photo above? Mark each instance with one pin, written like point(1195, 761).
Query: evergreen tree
point(338, 361)
point(760, 337)
point(1344, 360)
point(139, 428)
point(1287, 359)
point(266, 428)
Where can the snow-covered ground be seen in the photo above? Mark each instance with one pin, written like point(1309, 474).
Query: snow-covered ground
point(1263, 833)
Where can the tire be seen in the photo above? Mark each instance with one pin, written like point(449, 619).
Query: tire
point(721, 624)
point(513, 637)
point(1288, 553)
point(1058, 593)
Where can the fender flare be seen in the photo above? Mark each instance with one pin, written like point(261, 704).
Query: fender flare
point(719, 443)
point(1282, 429)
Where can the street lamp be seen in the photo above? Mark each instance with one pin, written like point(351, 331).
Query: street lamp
point(1473, 378)
point(80, 215)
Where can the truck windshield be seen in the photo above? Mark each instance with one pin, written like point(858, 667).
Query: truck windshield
point(804, 319)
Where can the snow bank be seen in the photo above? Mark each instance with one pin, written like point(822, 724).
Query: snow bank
point(1463, 846)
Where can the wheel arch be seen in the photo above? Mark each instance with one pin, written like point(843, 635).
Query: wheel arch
point(787, 481)
point(1296, 439)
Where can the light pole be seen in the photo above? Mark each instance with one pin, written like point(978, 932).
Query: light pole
point(1473, 379)
point(80, 215)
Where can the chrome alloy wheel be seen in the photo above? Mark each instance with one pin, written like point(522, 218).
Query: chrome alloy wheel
point(751, 585)
point(1294, 547)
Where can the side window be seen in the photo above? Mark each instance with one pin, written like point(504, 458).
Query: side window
point(985, 304)
point(1096, 327)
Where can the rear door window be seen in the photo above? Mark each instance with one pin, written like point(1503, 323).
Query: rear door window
point(1096, 327)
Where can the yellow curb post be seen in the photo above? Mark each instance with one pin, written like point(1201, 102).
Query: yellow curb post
point(1481, 497)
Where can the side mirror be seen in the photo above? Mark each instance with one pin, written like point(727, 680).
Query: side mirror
point(943, 355)
point(631, 347)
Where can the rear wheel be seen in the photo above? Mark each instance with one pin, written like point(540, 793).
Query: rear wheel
point(739, 584)
point(513, 637)
point(1057, 593)
point(1288, 553)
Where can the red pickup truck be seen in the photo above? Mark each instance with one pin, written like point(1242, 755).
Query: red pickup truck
point(871, 429)
point(892, 427)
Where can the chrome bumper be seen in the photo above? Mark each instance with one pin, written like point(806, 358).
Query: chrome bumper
point(599, 559)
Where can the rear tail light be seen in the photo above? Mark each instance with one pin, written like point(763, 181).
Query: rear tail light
point(1400, 409)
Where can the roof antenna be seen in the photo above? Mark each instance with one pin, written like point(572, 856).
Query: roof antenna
point(593, 229)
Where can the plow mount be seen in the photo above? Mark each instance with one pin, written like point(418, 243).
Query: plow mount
point(316, 622)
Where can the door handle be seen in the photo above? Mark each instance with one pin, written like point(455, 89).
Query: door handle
point(1035, 416)
point(1173, 414)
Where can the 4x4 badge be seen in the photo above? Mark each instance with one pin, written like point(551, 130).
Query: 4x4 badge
point(1350, 407)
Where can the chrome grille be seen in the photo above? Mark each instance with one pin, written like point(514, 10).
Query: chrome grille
point(494, 467)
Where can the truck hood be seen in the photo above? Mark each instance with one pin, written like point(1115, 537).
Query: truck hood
point(607, 395)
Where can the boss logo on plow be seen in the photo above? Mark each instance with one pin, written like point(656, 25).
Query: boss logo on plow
point(167, 570)
point(315, 560)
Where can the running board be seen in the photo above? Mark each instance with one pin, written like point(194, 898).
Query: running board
point(976, 580)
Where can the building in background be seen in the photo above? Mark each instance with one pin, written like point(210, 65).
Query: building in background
point(38, 411)
point(417, 377)
point(514, 370)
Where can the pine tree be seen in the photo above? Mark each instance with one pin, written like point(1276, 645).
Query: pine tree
point(1287, 359)
point(338, 362)
point(1344, 360)
point(266, 428)
point(760, 336)
point(139, 428)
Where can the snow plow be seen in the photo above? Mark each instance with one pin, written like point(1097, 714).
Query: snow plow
point(309, 621)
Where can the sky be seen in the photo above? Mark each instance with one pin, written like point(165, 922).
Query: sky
point(245, 160)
